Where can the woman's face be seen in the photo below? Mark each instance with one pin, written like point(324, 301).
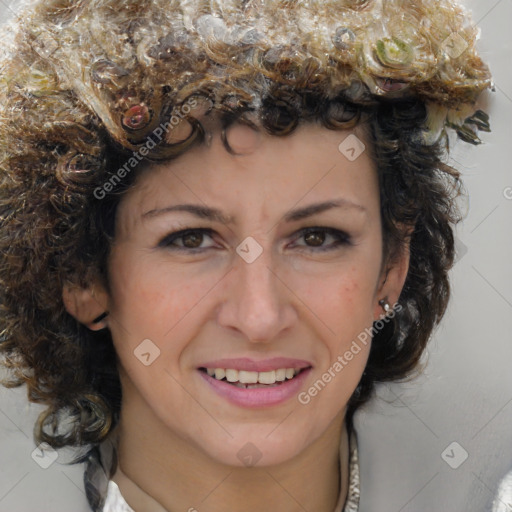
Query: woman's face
point(246, 289)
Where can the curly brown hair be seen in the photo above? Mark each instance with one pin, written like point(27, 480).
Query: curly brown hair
point(87, 85)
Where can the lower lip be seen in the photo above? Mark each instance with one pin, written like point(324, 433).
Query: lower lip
point(257, 397)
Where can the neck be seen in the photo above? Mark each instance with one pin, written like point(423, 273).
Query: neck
point(160, 472)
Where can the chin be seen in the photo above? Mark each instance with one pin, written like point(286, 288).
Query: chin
point(256, 446)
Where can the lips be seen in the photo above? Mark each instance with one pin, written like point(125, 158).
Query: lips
point(249, 383)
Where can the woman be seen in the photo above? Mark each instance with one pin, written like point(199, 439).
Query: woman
point(222, 224)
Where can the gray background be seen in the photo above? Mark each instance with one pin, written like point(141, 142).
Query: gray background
point(465, 393)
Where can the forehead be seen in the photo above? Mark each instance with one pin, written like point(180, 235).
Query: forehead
point(270, 173)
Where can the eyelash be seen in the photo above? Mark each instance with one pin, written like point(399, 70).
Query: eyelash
point(342, 239)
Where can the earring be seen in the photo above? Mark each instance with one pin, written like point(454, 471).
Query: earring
point(384, 304)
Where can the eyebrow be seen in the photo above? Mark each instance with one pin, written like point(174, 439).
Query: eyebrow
point(213, 214)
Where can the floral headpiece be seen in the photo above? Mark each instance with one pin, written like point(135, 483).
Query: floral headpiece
point(105, 50)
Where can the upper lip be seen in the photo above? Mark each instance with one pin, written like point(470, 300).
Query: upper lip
point(252, 365)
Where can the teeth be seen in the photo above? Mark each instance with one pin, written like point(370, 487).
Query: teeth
point(267, 377)
point(246, 377)
point(220, 373)
point(231, 375)
point(281, 374)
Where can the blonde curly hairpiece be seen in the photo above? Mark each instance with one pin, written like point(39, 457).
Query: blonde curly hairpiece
point(104, 51)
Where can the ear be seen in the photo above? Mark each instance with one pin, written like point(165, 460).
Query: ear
point(88, 305)
point(392, 280)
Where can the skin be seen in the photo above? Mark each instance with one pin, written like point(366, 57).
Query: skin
point(178, 439)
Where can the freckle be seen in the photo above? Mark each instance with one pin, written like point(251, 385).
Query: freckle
point(351, 287)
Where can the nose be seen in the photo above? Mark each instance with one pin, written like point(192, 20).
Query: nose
point(257, 303)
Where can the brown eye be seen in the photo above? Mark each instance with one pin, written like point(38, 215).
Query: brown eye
point(187, 239)
point(192, 240)
point(315, 238)
point(322, 239)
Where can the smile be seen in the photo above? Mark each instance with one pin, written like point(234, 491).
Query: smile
point(252, 380)
point(248, 388)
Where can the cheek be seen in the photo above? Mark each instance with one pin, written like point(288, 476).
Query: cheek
point(348, 311)
point(355, 291)
point(149, 298)
point(348, 290)
point(344, 297)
